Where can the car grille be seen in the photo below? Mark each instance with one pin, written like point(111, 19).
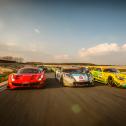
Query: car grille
point(25, 85)
point(81, 83)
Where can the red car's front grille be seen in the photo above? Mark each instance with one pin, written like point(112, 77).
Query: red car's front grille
point(81, 83)
point(29, 84)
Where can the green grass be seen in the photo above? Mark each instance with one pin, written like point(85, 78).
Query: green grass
point(3, 78)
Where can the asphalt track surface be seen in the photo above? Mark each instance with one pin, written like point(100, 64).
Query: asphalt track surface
point(63, 106)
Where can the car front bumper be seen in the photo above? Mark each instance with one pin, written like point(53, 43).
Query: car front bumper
point(26, 84)
point(81, 84)
point(23, 85)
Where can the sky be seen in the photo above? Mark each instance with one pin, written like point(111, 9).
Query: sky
point(92, 31)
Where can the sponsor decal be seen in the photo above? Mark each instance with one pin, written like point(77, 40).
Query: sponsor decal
point(81, 77)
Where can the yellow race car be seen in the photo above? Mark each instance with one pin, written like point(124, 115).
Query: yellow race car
point(110, 76)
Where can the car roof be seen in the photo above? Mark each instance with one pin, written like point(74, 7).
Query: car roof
point(70, 67)
point(103, 68)
point(28, 68)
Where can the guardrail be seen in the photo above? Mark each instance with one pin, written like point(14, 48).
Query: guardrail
point(3, 86)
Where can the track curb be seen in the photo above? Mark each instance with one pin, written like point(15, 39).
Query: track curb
point(3, 85)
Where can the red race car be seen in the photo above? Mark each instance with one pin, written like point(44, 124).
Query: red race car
point(27, 77)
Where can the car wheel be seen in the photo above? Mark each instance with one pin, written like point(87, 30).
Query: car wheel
point(8, 87)
point(94, 79)
point(111, 82)
point(91, 84)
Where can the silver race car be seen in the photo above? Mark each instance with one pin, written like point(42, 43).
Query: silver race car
point(74, 76)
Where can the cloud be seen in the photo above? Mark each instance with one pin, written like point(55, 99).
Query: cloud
point(30, 52)
point(106, 53)
point(62, 57)
point(11, 44)
point(124, 47)
point(102, 49)
point(37, 30)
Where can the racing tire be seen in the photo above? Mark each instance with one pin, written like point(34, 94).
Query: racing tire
point(8, 87)
point(91, 84)
point(94, 80)
point(111, 82)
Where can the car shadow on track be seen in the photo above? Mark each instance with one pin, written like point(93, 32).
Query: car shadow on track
point(52, 83)
point(99, 84)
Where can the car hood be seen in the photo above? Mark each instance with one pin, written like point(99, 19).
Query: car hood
point(20, 78)
point(121, 75)
point(80, 77)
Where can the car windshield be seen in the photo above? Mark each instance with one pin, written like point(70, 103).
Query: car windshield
point(85, 70)
point(72, 70)
point(58, 67)
point(112, 70)
point(28, 70)
point(41, 67)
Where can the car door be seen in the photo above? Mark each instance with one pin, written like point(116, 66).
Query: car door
point(99, 74)
point(95, 73)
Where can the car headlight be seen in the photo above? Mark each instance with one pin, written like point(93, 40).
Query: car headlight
point(40, 78)
point(12, 78)
point(72, 78)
